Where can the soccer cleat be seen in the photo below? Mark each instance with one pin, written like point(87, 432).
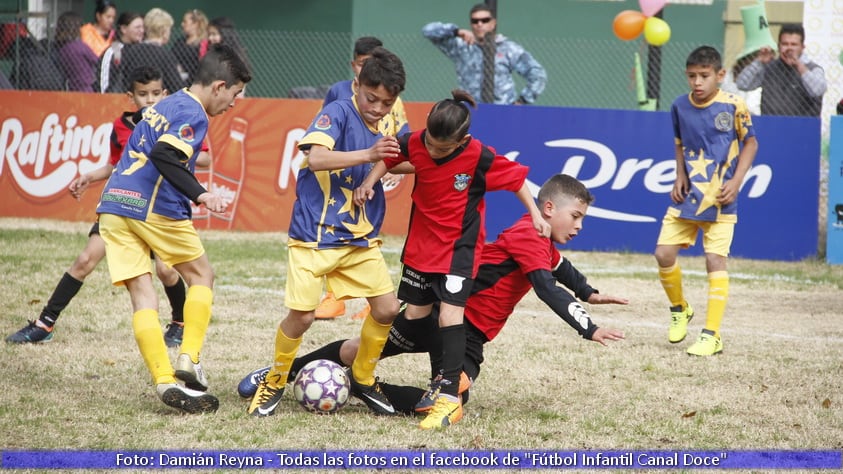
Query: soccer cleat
point(679, 320)
point(707, 344)
point(249, 385)
point(425, 404)
point(32, 333)
point(266, 400)
point(444, 414)
point(330, 307)
point(372, 396)
point(363, 312)
point(191, 373)
point(173, 336)
point(187, 400)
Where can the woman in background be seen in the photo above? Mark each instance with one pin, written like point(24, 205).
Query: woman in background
point(100, 34)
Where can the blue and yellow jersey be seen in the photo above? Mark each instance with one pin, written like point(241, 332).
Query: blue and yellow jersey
point(711, 136)
point(324, 214)
point(136, 189)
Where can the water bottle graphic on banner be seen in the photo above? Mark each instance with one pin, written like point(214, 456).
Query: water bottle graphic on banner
point(229, 166)
point(203, 175)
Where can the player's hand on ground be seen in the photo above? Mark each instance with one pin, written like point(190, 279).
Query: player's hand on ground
point(385, 147)
point(78, 186)
point(362, 194)
point(604, 335)
point(213, 202)
point(597, 298)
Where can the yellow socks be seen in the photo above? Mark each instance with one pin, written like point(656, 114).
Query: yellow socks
point(671, 279)
point(151, 344)
point(372, 339)
point(718, 293)
point(285, 352)
point(197, 316)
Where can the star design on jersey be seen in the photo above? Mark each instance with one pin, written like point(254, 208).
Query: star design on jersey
point(348, 206)
point(699, 166)
point(709, 190)
point(362, 228)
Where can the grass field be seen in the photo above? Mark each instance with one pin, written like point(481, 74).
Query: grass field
point(778, 384)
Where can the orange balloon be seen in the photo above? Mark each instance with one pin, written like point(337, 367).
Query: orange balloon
point(628, 24)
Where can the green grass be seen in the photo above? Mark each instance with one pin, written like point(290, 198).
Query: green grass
point(778, 384)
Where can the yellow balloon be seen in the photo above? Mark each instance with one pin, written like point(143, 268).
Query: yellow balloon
point(656, 31)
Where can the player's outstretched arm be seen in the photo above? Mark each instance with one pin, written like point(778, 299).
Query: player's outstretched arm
point(597, 298)
point(79, 185)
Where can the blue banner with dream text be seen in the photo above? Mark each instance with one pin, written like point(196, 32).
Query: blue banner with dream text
point(379, 459)
point(626, 159)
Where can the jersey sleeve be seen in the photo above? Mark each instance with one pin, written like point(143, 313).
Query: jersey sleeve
point(186, 132)
point(325, 128)
point(506, 175)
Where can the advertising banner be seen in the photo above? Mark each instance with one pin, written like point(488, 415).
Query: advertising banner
point(834, 210)
point(624, 157)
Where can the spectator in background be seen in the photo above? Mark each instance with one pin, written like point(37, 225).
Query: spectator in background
point(38, 68)
point(100, 34)
point(753, 97)
point(75, 58)
point(129, 31)
point(467, 48)
point(158, 25)
point(222, 30)
point(193, 45)
point(791, 84)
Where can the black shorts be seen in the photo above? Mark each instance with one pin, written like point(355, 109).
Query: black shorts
point(403, 339)
point(421, 289)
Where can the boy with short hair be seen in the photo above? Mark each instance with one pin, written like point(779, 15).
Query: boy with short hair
point(520, 259)
point(145, 206)
point(146, 89)
point(332, 239)
point(715, 147)
point(330, 307)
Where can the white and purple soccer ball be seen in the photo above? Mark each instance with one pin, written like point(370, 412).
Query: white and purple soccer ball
point(322, 386)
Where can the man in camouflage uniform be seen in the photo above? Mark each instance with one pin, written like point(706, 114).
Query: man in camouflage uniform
point(467, 49)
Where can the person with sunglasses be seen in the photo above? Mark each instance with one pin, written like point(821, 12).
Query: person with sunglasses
point(468, 48)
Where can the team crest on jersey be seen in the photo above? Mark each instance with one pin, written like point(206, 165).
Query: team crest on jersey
point(723, 121)
point(461, 181)
point(323, 122)
point(186, 133)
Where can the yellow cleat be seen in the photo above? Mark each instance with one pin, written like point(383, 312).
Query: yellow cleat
point(266, 400)
point(707, 344)
point(444, 414)
point(679, 320)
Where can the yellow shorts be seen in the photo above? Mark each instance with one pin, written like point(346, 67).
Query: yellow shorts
point(351, 272)
point(717, 236)
point(128, 242)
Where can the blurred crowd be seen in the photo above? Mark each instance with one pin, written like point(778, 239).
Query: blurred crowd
point(98, 56)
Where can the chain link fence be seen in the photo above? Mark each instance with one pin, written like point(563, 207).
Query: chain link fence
point(581, 73)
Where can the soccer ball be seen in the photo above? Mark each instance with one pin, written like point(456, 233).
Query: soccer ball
point(322, 386)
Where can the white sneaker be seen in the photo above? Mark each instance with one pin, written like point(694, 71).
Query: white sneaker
point(187, 400)
point(191, 374)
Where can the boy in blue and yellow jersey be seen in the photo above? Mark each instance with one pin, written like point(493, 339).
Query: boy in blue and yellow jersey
point(332, 238)
point(330, 307)
point(145, 205)
point(715, 147)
